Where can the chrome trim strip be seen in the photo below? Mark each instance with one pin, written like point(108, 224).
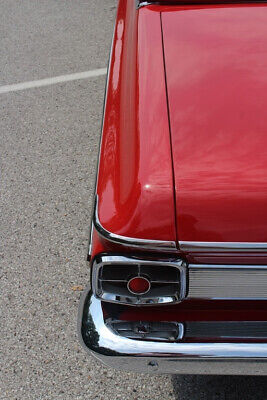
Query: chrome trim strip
point(144, 4)
point(141, 3)
point(242, 247)
point(156, 245)
point(178, 357)
point(194, 3)
point(227, 282)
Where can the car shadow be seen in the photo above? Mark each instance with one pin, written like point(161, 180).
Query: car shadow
point(215, 387)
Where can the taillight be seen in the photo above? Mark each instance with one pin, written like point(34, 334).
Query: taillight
point(134, 281)
point(139, 285)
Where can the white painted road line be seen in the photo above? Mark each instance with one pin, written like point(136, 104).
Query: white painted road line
point(52, 81)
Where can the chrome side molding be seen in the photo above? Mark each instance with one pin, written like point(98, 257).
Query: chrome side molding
point(142, 244)
point(141, 4)
point(222, 247)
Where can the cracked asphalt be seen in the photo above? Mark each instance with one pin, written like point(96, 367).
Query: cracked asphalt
point(49, 140)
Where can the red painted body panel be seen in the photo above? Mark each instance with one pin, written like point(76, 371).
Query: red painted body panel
point(198, 311)
point(216, 63)
point(135, 181)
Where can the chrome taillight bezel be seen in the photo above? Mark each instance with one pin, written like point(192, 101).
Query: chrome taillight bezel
point(146, 299)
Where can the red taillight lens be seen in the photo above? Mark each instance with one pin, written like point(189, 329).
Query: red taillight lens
point(139, 285)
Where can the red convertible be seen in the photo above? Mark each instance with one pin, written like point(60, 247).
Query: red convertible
point(178, 248)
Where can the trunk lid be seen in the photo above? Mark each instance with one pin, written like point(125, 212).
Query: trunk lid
point(216, 71)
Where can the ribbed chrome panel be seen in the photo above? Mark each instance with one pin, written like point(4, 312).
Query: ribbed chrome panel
point(227, 330)
point(228, 282)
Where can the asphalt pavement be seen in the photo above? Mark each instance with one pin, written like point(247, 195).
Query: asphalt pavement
point(49, 140)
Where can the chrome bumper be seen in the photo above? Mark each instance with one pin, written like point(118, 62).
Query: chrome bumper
point(172, 358)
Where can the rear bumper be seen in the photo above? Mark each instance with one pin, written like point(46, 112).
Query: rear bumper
point(172, 358)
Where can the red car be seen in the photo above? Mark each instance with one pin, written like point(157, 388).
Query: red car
point(178, 247)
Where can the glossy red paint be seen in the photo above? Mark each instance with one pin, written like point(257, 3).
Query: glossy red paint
point(98, 246)
point(216, 63)
point(135, 182)
point(195, 311)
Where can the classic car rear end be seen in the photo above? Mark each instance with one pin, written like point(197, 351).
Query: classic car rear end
point(178, 247)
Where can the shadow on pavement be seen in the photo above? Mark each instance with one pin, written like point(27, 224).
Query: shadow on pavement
point(215, 387)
